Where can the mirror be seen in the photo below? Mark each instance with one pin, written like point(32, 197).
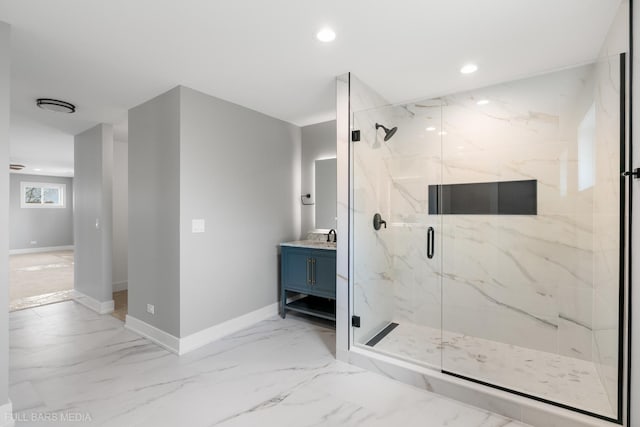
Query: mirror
point(326, 193)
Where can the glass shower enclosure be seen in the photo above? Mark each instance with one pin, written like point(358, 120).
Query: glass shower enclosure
point(496, 255)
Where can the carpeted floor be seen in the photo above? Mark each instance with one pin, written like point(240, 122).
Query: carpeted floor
point(120, 305)
point(46, 278)
point(40, 278)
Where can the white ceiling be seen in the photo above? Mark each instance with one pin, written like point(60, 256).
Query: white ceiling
point(109, 56)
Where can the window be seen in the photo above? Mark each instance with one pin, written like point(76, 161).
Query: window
point(42, 195)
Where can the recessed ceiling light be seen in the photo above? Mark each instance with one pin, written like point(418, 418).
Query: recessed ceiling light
point(483, 102)
point(326, 35)
point(37, 169)
point(55, 105)
point(442, 133)
point(469, 68)
point(430, 128)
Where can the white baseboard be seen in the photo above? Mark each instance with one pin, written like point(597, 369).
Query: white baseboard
point(100, 307)
point(199, 339)
point(6, 415)
point(120, 286)
point(38, 250)
point(214, 333)
point(160, 337)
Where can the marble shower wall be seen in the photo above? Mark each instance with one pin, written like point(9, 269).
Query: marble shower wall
point(371, 250)
point(523, 280)
point(546, 282)
point(413, 162)
point(606, 225)
point(393, 279)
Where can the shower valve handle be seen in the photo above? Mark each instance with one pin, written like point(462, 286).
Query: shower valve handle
point(378, 222)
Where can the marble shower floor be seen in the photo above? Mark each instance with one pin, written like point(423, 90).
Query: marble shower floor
point(562, 379)
point(67, 360)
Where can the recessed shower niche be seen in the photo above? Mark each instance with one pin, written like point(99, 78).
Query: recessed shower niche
point(501, 258)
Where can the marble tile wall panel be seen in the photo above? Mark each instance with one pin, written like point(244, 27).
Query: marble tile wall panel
point(523, 280)
point(414, 163)
point(606, 223)
point(371, 250)
point(501, 266)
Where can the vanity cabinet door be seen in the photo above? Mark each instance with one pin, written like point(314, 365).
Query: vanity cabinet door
point(296, 269)
point(324, 274)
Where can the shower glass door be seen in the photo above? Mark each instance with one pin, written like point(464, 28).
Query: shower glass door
point(501, 252)
point(531, 209)
point(396, 268)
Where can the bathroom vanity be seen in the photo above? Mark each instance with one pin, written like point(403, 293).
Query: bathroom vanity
point(308, 278)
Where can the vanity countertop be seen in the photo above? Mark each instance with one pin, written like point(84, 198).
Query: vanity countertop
point(311, 244)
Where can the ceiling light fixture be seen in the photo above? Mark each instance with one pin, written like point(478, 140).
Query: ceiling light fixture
point(430, 128)
point(469, 68)
point(442, 133)
point(483, 102)
point(38, 170)
point(55, 105)
point(16, 167)
point(326, 35)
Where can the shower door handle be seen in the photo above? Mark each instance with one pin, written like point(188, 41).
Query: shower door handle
point(430, 242)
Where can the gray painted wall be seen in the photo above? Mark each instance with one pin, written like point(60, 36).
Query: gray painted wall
point(48, 227)
point(154, 211)
point(120, 215)
point(318, 142)
point(240, 172)
point(5, 84)
point(93, 162)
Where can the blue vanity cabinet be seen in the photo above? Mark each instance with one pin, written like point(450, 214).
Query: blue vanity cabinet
point(324, 274)
point(296, 269)
point(309, 275)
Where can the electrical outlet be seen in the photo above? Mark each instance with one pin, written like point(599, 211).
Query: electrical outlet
point(151, 309)
point(197, 225)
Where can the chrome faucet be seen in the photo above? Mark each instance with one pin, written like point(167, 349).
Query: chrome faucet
point(335, 236)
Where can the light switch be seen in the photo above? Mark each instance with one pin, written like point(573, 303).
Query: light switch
point(197, 225)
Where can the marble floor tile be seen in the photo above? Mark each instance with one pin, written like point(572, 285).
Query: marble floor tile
point(558, 378)
point(68, 362)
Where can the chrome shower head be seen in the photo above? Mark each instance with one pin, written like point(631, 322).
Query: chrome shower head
point(388, 133)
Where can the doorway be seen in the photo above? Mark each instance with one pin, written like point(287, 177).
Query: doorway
point(41, 259)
